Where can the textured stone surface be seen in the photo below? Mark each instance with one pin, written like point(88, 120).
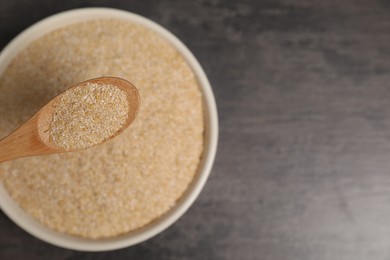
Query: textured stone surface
point(303, 167)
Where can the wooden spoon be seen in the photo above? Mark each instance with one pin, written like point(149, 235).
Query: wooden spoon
point(33, 137)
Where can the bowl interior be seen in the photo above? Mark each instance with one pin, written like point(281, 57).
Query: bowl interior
point(25, 221)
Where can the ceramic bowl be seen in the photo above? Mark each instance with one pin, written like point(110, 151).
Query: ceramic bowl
point(26, 222)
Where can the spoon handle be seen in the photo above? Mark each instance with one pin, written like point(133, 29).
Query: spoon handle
point(22, 142)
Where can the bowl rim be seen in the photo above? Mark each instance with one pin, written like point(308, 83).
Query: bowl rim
point(26, 222)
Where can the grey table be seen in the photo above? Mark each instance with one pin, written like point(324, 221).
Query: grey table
point(303, 167)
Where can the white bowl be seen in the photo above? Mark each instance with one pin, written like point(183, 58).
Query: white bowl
point(25, 221)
